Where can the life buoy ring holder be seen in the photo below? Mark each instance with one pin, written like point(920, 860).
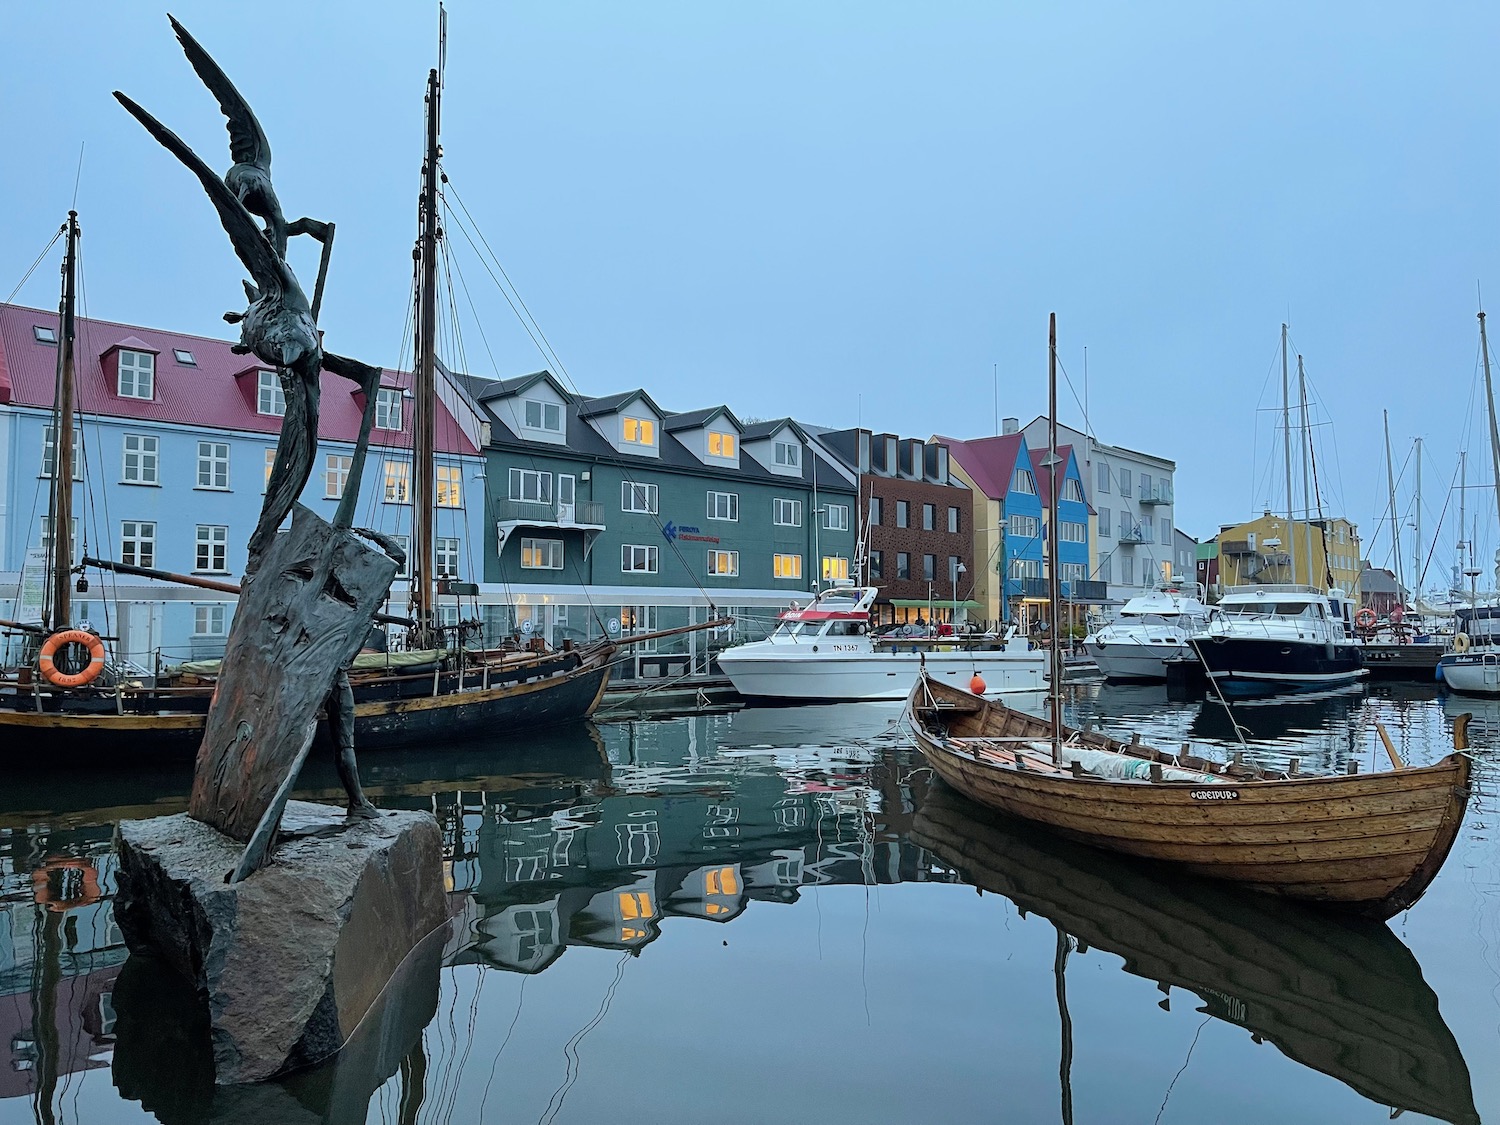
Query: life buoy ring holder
point(90, 672)
point(1461, 643)
point(52, 882)
point(1365, 618)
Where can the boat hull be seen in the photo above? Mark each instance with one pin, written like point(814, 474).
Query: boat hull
point(1370, 843)
point(1128, 661)
point(1417, 661)
point(1471, 673)
point(1273, 664)
point(833, 677)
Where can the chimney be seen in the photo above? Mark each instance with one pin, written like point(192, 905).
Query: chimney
point(1010, 425)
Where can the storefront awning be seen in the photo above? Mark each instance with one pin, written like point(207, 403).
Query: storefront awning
point(936, 603)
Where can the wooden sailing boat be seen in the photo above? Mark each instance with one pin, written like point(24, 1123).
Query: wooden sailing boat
point(1370, 843)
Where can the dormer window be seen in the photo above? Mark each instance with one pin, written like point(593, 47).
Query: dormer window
point(639, 431)
point(789, 454)
point(543, 416)
point(137, 374)
point(1024, 482)
point(43, 334)
point(388, 408)
point(269, 398)
point(184, 357)
point(720, 445)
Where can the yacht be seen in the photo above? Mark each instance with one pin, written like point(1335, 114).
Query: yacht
point(1150, 629)
point(827, 652)
point(1473, 667)
point(1281, 637)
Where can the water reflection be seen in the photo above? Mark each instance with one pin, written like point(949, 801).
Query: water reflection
point(573, 857)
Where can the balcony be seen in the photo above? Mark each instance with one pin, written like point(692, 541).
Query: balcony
point(586, 516)
point(1085, 591)
point(1132, 534)
point(1237, 547)
point(1158, 495)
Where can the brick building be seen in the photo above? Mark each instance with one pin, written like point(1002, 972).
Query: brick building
point(916, 534)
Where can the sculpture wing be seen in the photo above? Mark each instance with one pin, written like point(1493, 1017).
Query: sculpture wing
point(249, 243)
point(247, 142)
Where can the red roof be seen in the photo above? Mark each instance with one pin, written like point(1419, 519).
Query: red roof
point(990, 462)
point(206, 393)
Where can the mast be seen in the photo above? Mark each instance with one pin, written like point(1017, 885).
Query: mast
point(424, 380)
point(61, 493)
point(1053, 587)
point(1286, 430)
point(1390, 483)
point(1489, 394)
point(1417, 572)
point(1306, 478)
point(1463, 515)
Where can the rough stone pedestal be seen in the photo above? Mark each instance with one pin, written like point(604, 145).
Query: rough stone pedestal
point(292, 958)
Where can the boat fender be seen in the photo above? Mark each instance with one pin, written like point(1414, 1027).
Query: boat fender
point(71, 637)
point(1461, 642)
point(976, 684)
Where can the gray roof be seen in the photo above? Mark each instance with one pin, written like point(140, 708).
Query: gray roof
point(694, 419)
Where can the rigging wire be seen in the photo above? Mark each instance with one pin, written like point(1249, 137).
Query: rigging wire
point(31, 269)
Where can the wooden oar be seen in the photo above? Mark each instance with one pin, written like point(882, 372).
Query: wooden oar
point(1390, 749)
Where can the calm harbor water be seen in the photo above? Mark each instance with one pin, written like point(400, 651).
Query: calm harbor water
point(776, 915)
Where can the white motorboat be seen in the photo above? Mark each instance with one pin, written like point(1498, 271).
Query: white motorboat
point(826, 651)
point(1473, 667)
point(1149, 630)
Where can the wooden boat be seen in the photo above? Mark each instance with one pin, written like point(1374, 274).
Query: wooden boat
point(1338, 994)
point(1370, 843)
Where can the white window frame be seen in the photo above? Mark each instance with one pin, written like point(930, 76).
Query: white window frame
point(448, 486)
point(779, 564)
point(270, 456)
point(778, 512)
point(634, 494)
point(541, 482)
point(446, 555)
point(140, 459)
point(212, 549)
point(1073, 491)
point(336, 470)
point(210, 619)
point(835, 566)
point(836, 517)
point(541, 554)
point(644, 431)
point(388, 408)
point(270, 397)
point(639, 558)
point(49, 451)
point(396, 481)
point(1022, 481)
point(137, 379)
point(138, 542)
point(723, 564)
point(788, 454)
point(545, 412)
point(724, 506)
point(1074, 532)
point(728, 444)
point(1022, 526)
point(404, 542)
point(213, 464)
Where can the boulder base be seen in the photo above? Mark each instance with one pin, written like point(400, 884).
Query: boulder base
point(291, 959)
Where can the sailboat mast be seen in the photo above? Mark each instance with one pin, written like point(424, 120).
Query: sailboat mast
point(1053, 588)
point(1489, 394)
point(1390, 483)
point(62, 444)
point(1463, 515)
point(1286, 430)
point(1416, 550)
point(425, 378)
point(1306, 476)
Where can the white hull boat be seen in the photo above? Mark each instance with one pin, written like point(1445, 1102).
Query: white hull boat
point(1150, 629)
point(825, 652)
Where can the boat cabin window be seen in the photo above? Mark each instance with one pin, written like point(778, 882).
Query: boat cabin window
point(845, 628)
point(1268, 608)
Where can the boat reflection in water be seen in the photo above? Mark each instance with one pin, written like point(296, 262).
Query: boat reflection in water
point(1338, 994)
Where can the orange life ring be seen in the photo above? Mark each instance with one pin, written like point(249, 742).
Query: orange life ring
point(72, 637)
point(1365, 618)
point(52, 888)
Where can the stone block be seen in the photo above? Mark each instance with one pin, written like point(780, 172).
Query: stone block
point(291, 959)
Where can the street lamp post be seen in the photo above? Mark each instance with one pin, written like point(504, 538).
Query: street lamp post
point(957, 570)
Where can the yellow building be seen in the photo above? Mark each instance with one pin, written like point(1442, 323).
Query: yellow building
point(1273, 550)
point(989, 546)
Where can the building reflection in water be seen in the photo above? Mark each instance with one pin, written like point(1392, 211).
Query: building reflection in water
point(605, 836)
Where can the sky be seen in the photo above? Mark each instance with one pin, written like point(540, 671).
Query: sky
point(854, 213)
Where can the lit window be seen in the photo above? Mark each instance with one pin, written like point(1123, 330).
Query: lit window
point(541, 554)
point(388, 408)
point(141, 461)
point(788, 513)
point(835, 566)
point(543, 416)
point(208, 620)
point(836, 517)
point(637, 559)
point(531, 486)
point(786, 566)
point(138, 543)
point(336, 467)
point(137, 373)
point(270, 463)
point(723, 506)
point(212, 549)
point(43, 334)
point(788, 454)
point(184, 357)
point(398, 482)
point(269, 397)
point(720, 445)
point(640, 431)
point(724, 564)
point(450, 486)
point(213, 464)
point(446, 551)
point(49, 450)
point(636, 497)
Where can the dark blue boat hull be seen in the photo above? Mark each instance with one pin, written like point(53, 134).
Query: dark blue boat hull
point(1249, 664)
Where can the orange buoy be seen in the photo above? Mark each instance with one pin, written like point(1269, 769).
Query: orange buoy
point(976, 685)
point(72, 637)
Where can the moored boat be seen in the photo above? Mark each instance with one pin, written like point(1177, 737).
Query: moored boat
point(1370, 843)
point(1281, 637)
point(826, 652)
point(1150, 630)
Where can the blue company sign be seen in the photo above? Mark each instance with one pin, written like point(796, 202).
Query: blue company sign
point(671, 532)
